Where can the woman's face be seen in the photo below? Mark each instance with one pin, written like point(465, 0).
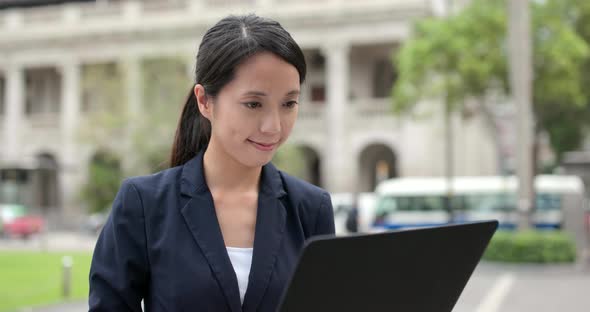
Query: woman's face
point(254, 113)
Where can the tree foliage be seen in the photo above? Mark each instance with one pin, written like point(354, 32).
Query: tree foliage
point(291, 159)
point(466, 56)
point(104, 120)
point(104, 179)
point(104, 113)
point(109, 125)
point(165, 84)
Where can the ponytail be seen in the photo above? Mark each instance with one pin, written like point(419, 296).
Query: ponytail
point(192, 134)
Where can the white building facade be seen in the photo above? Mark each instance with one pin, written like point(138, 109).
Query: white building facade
point(350, 137)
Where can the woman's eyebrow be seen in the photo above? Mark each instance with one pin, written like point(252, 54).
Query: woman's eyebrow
point(260, 93)
point(254, 93)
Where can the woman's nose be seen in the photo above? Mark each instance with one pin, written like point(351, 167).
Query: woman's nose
point(271, 123)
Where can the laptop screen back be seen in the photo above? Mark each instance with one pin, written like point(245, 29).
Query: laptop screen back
point(416, 270)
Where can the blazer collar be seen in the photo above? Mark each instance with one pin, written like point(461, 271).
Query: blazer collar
point(198, 210)
point(193, 178)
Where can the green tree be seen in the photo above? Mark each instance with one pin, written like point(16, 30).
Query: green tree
point(561, 96)
point(165, 84)
point(577, 15)
point(104, 114)
point(104, 179)
point(291, 159)
point(104, 119)
point(465, 56)
point(108, 124)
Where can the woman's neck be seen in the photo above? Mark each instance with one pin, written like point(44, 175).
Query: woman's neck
point(224, 173)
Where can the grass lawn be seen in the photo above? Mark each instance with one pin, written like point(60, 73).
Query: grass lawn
point(34, 278)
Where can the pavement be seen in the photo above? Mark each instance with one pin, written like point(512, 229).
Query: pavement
point(52, 241)
point(526, 288)
point(77, 306)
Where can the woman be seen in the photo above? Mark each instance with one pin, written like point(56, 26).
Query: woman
point(221, 230)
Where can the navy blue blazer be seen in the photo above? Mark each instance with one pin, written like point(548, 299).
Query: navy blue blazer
point(162, 243)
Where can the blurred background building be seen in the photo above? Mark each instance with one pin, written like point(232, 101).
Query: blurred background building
point(61, 62)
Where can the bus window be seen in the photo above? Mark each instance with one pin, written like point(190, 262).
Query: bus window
point(500, 202)
point(388, 204)
point(548, 202)
point(427, 203)
point(385, 205)
point(408, 211)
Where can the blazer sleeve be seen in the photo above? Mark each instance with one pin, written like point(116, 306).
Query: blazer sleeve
point(324, 223)
point(119, 269)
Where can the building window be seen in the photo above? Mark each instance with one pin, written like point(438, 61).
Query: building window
point(384, 76)
point(318, 93)
point(43, 92)
point(317, 61)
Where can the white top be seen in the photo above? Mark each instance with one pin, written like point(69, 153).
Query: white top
point(241, 260)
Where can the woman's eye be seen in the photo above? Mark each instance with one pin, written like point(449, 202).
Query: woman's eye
point(290, 104)
point(252, 105)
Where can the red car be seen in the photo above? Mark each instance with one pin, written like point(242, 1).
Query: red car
point(17, 222)
point(24, 226)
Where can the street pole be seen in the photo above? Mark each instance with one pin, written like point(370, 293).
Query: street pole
point(449, 159)
point(67, 263)
point(449, 136)
point(520, 64)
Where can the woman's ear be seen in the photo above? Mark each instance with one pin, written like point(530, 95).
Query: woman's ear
point(203, 101)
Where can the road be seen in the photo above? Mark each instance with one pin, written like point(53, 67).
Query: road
point(524, 288)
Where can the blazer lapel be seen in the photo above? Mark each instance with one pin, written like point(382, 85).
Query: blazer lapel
point(270, 225)
point(199, 214)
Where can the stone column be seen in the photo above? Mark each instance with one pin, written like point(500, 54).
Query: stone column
point(335, 173)
point(134, 91)
point(69, 167)
point(13, 113)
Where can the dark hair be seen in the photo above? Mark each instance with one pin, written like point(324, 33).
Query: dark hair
point(225, 45)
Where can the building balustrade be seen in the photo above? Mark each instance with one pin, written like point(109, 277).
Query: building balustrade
point(130, 10)
point(359, 113)
point(44, 120)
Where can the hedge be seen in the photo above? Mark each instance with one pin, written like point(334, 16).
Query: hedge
point(531, 247)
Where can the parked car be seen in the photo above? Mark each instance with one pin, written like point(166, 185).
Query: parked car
point(94, 222)
point(9, 212)
point(18, 222)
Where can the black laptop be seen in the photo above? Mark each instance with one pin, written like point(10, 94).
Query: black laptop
point(413, 270)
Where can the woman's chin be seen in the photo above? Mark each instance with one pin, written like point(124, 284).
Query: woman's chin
point(259, 160)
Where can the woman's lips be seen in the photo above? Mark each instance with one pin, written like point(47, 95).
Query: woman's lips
point(263, 146)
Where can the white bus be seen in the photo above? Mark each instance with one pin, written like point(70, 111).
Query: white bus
point(421, 201)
